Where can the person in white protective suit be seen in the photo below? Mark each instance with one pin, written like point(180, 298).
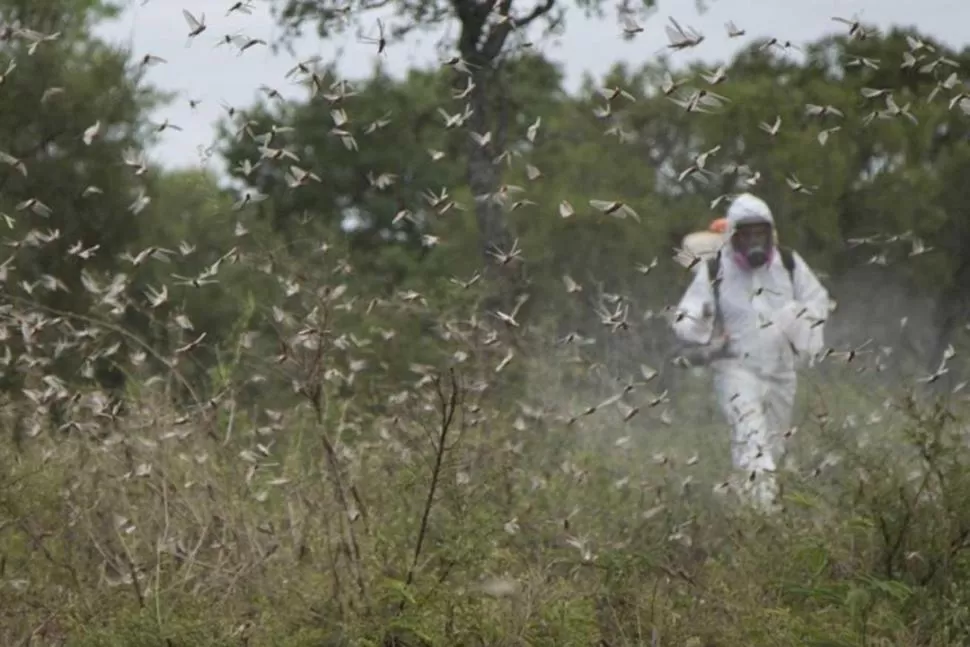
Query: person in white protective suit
point(764, 311)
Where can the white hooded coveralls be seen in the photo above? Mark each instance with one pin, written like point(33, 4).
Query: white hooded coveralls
point(765, 313)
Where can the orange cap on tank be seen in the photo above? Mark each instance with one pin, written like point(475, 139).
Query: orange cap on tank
point(719, 226)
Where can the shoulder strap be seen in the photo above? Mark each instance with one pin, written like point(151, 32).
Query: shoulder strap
point(789, 262)
point(714, 266)
point(713, 269)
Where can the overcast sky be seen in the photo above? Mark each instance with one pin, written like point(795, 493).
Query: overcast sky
point(217, 75)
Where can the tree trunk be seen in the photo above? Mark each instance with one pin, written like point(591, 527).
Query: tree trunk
point(481, 47)
point(483, 174)
point(484, 179)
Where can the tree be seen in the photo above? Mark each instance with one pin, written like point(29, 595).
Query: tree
point(482, 47)
point(72, 111)
point(195, 221)
point(370, 187)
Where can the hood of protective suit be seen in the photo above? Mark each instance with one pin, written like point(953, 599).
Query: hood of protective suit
point(750, 209)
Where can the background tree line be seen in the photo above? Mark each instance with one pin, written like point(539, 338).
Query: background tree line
point(404, 182)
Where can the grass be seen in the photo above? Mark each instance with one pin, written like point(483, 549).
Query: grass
point(299, 501)
point(456, 519)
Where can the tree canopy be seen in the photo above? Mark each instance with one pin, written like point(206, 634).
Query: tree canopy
point(847, 143)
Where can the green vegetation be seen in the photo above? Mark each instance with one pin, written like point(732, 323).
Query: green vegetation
point(228, 421)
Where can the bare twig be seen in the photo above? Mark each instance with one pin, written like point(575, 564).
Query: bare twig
point(449, 405)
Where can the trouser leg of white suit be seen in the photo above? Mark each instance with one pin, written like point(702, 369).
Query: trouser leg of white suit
point(779, 403)
point(758, 408)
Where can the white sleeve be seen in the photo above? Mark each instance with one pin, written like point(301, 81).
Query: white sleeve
point(806, 330)
point(689, 323)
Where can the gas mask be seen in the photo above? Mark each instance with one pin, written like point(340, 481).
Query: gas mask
point(752, 243)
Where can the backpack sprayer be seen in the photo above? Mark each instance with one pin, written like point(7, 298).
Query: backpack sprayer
point(697, 248)
point(704, 247)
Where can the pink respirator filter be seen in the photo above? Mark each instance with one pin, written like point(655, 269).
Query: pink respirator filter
point(742, 260)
